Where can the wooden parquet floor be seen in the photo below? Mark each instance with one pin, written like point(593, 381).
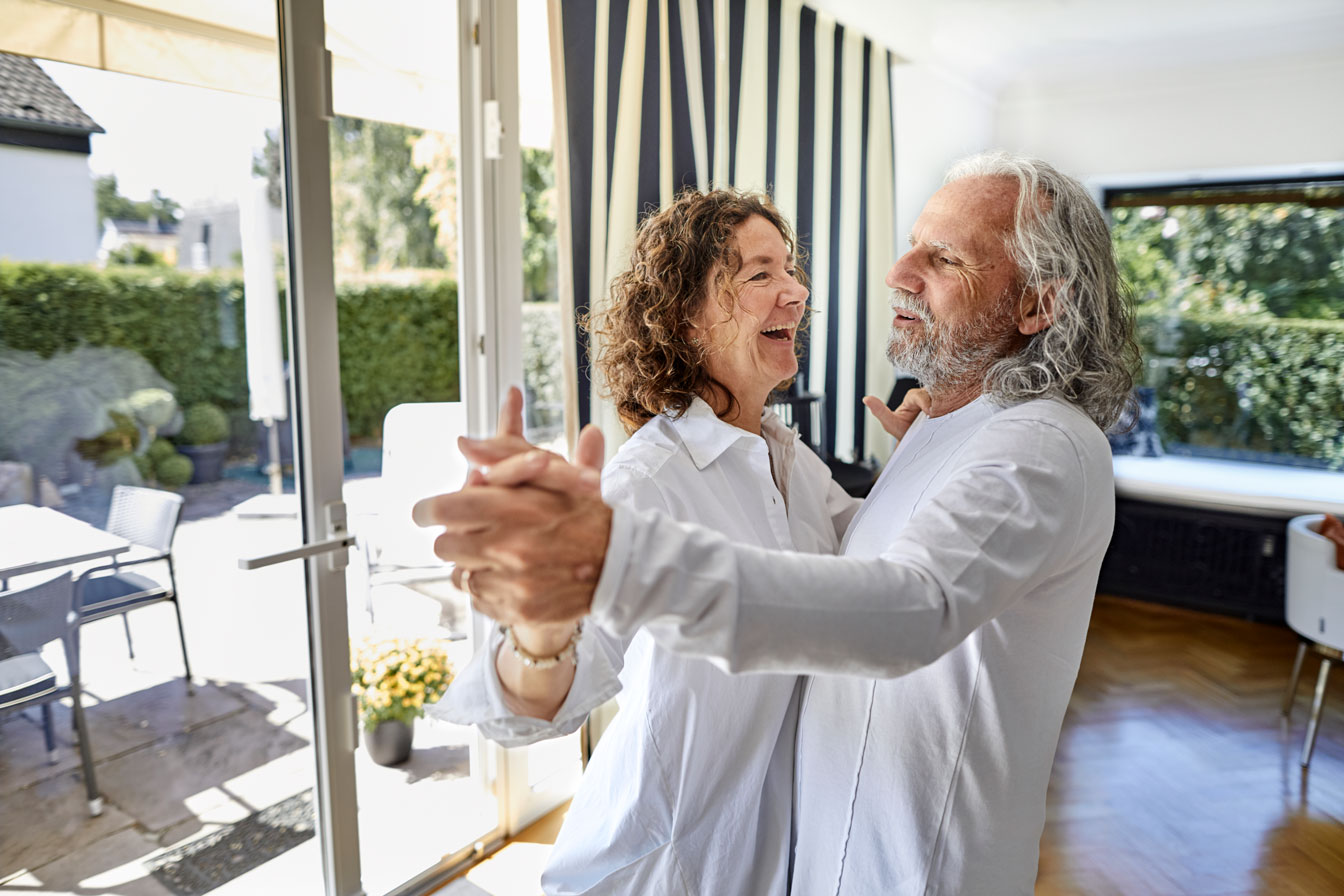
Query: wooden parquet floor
point(1174, 774)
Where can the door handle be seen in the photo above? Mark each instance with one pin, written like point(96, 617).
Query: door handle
point(340, 540)
point(304, 550)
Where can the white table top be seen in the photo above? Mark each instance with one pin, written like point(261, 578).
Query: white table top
point(38, 538)
point(1263, 489)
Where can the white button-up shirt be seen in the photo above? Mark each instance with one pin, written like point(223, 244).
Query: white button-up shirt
point(956, 623)
point(690, 790)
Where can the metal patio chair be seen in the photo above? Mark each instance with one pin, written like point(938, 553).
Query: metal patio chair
point(147, 518)
point(31, 618)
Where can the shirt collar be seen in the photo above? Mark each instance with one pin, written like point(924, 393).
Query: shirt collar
point(706, 437)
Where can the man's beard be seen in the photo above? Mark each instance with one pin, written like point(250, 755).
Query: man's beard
point(942, 355)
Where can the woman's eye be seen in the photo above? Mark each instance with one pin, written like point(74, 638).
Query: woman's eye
point(761, 276)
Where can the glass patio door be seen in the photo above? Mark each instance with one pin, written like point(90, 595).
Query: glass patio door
point(402, 162)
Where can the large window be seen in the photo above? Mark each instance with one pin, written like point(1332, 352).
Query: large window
point(1240, 291)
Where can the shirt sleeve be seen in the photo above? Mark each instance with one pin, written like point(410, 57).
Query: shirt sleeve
point(476, 696)
point(1010, 515)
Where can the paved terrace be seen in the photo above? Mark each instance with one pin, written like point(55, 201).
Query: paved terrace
point(201, 787)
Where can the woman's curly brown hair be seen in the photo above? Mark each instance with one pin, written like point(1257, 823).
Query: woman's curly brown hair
point(648, 364)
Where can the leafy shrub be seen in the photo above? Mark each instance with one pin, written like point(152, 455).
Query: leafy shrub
point(111, 445)
point(203, 424)
point(175, 471)
point(398, 340)
point(153, 408)
point(1256, 384)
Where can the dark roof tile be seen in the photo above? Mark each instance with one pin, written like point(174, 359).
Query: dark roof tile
point(30, 98)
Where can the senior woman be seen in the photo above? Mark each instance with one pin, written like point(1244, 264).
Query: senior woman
point(690, 790)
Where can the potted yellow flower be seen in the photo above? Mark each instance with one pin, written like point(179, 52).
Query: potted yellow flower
point(394, 680)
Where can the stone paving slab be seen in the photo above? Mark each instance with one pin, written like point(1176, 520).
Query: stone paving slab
point(113, 865)
point(174, 778)
point(39, 824)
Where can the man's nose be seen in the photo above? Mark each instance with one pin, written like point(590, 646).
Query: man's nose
point(902, 275)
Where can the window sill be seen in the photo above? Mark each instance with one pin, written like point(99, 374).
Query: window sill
point(1258, 489)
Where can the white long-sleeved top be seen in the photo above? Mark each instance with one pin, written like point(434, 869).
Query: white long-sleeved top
point(945, 645)
point(690, 790)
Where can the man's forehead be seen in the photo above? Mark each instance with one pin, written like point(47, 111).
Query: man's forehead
point(967, 214)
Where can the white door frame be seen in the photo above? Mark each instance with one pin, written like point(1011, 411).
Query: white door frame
point(316, 383)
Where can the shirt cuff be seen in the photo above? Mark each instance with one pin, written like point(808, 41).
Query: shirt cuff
point(476, 696)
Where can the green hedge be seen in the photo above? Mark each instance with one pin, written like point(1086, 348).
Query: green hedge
point(1243, 383)
point(398, 341)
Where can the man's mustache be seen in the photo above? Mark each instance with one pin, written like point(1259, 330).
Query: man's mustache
point(904, 300)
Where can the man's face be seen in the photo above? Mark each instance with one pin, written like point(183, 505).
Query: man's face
point(955, 293)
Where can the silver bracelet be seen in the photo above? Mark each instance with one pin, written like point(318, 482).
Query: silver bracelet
point(532, 661)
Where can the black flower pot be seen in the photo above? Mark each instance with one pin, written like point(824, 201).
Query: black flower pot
point(389, 743)
point(207, 460)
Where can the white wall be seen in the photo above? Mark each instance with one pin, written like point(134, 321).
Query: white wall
point(1245, 118)
point(47, 212)
point(938, 120)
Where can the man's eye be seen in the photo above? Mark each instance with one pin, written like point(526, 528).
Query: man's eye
point(943, 259)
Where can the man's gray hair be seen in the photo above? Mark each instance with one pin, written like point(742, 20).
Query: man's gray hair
point(1060, 242)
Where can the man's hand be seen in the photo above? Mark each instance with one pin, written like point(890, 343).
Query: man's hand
point(897, 422)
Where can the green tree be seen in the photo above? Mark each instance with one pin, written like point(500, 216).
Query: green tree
point(1284, 259)
point(377, 221)
point(538, 209)
point(111, 204)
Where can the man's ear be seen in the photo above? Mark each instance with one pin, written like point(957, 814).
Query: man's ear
point(1036, 310)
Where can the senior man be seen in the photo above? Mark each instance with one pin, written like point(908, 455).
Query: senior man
point(946, 640)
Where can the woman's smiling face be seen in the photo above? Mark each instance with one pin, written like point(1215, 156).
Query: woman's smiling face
point(752, 352)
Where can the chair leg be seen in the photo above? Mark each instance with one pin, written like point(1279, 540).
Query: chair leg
point(86, 752)
point(1314, 725)
point(1291, 693)
point(130, 648)
point(49, 733)
point(182, 636)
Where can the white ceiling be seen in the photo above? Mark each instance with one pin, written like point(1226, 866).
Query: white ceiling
point(995, 43)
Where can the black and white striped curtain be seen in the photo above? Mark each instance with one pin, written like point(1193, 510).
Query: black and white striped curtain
point(657, 95)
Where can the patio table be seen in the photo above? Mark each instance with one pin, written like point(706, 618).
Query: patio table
point(38, 538)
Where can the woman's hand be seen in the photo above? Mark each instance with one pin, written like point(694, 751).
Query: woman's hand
point(897, 422)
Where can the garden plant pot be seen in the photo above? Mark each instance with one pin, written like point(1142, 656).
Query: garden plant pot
point(208, 461)
point(389, 743)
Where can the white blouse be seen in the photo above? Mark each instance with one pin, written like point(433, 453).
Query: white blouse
point(944, 645)
point(690, 789)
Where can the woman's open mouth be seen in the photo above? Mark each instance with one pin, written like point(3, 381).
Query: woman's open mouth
point(779, 332)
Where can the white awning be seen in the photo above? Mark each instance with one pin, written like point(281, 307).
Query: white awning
point(378, 71)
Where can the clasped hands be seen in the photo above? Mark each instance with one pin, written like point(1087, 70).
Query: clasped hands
point(528, 532)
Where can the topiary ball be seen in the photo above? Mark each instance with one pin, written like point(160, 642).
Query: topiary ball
point(203, 424)
point(174, 471)
point(160, 450)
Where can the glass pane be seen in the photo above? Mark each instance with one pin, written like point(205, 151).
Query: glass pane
point(141, 262)
point(394, 163)
point(1241, 318)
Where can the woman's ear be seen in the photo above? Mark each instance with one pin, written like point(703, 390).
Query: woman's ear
point(1036, 310)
